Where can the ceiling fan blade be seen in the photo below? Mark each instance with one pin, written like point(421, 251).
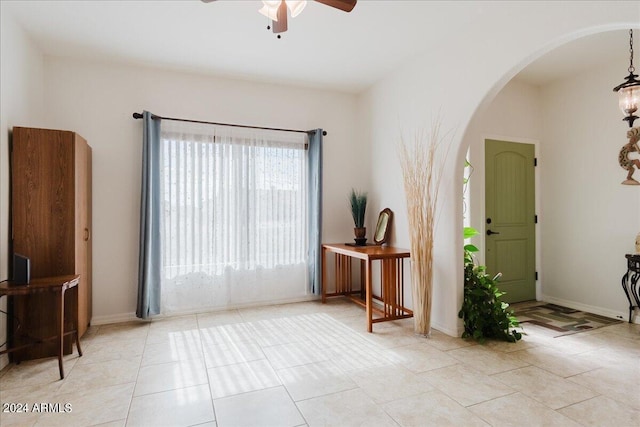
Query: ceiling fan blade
point(280, 26)
point(345, 5)
point(207, 1)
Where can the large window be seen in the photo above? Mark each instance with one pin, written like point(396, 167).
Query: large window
point(234, 216)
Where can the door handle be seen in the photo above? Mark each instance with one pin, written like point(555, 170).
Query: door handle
point(489, 232)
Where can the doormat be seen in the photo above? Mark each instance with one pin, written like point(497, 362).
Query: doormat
point(560, 321)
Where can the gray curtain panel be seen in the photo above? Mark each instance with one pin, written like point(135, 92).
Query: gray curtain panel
point(149, 256)
point(315, 210)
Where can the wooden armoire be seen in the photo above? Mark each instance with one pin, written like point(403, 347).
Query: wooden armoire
point(51, 224)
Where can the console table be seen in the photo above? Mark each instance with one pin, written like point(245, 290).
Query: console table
point(630, 282)
point(391, 298)
point(58, 286)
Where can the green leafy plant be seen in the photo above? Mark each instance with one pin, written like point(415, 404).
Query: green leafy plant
point(485, 315)
point(358, 201)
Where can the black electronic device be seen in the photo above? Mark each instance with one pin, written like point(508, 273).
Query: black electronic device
point(21, 269)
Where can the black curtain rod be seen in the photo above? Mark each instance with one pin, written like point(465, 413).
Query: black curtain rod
point(139, 116)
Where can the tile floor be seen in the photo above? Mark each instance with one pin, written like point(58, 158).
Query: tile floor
point(313, 364)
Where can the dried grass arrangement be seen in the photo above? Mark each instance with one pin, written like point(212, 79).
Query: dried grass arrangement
point(422, 167)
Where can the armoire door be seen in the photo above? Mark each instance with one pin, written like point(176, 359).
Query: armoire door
point(83, 230)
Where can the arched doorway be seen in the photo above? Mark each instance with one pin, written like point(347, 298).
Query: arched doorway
point(587, 221)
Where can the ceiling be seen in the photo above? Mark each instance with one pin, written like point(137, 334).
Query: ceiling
point(583, 53)
point(324, 47)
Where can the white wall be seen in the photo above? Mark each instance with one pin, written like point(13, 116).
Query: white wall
point(21, 81)
point(97, 100)
point(453, 77)
point(590, 220)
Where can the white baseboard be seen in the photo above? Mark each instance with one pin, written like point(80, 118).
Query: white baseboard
point(241, 306)
point(456, 333)
point(113, 318)
point(4, 360)
point(613, 314)
point(128, 317)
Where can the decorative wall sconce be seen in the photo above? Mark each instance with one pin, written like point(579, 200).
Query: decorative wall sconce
point(629, 90)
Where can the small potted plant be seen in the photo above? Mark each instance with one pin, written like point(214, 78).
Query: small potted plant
point(358, 201)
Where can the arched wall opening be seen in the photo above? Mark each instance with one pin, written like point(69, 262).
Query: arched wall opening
point(587, 220)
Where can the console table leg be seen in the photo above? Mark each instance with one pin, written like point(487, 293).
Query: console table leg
point(369, 301)
point(630, 282)
point(324, 275)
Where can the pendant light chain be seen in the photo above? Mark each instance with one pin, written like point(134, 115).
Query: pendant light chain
point(631, 67)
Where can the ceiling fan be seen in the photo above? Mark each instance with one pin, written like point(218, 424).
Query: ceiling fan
point(276, 10)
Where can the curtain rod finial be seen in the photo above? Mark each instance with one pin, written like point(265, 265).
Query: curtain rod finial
point(137, 115)
point(324, 133)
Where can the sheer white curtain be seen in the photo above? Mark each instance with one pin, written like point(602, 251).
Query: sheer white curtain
point(234, 216)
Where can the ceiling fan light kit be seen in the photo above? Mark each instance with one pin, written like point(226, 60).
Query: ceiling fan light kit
point(269, 10)
point(278, 10)
point(296, 6)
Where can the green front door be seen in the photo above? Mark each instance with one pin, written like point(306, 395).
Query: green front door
point(510, 217)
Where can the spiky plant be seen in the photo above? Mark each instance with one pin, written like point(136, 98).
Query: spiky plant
point(358, 201)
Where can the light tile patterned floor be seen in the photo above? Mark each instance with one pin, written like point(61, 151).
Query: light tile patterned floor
point(313, 364)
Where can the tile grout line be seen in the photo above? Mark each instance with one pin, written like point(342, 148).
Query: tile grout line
point(213, 406)
point(133, 392)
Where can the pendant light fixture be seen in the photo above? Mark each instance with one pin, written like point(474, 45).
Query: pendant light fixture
point(629, 90)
